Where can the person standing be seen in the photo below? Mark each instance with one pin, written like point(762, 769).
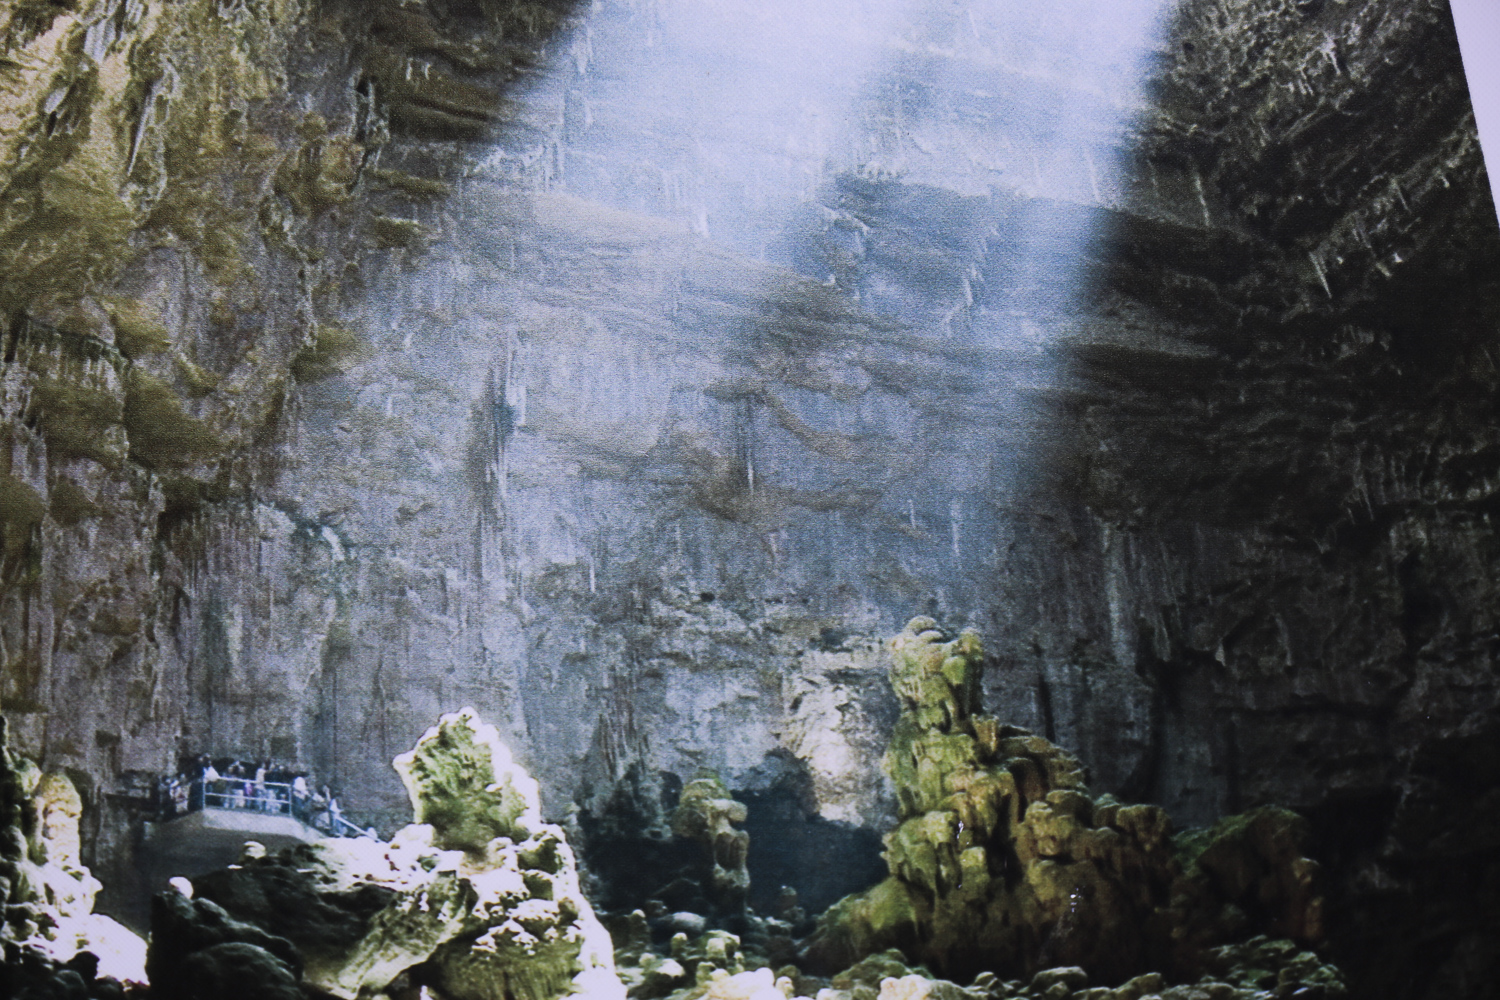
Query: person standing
point(300, 795)
point(213, 793)
point(236, 786)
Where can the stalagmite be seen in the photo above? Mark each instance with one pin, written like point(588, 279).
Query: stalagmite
point(1004, 862)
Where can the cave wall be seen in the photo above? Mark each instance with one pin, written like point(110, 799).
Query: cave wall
point(193, 192)
point(352, 375)
point(1285, 500)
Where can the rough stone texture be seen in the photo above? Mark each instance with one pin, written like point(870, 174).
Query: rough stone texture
point(192, 191)
point(297, 461)
point(707, 814)
point(1279, 506)
point(481, 900)
point(196, 946)
point(464, 784)
point(1257, 970)
point(46, 892)
point(1003, 862)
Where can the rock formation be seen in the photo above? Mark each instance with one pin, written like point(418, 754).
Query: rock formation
point(478, 899)
point(707, 814)
point(1004, 862)
point(198, 950)
point(50, 934)
point(1260, 969)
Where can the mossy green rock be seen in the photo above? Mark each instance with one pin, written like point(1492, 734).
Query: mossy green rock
point(706, 812)
point(1004, 862)
point(462, 781)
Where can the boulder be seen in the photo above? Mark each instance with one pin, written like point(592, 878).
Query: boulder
point(189, 948)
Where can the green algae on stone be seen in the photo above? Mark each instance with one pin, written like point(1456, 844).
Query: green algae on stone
point(68, 504)
point(409, 184)
point(1002, 861)
point(74, 418)
point(322, 172)
point(21, 511)
point(431, 103)
point(462, 781)
point(162, 434)
point(332, 350)
point(199, 381)
point(138, 331)
point(393, 233)
point(185, 495)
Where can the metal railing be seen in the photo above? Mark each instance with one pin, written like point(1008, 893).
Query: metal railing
point(272, 798)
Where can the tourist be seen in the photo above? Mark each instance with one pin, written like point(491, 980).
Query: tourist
point(300, 795)
point(213, 792)
point(236, 786)
point(319, 810)
point(162, 795)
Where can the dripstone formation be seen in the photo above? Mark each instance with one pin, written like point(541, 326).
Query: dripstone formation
point(1007, 874)
point(1002, 865)
point(367, 358)
point(1003, 862)
point(707, 813)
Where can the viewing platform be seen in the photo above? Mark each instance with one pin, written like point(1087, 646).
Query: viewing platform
point(217, 822)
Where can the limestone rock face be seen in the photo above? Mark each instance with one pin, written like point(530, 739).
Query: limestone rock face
point(1003, 861)
point(192, 188)
point(482, 896)
point(262, 311)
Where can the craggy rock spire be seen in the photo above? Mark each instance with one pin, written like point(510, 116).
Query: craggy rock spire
point(1004, 862)
point(463, 783)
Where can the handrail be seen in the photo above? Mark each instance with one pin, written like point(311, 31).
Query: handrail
point(277, 798)
point(343, 828)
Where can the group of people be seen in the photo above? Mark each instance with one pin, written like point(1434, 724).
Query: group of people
point(259, 786)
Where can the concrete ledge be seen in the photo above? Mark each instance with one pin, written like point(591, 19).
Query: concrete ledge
point(239, 824)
